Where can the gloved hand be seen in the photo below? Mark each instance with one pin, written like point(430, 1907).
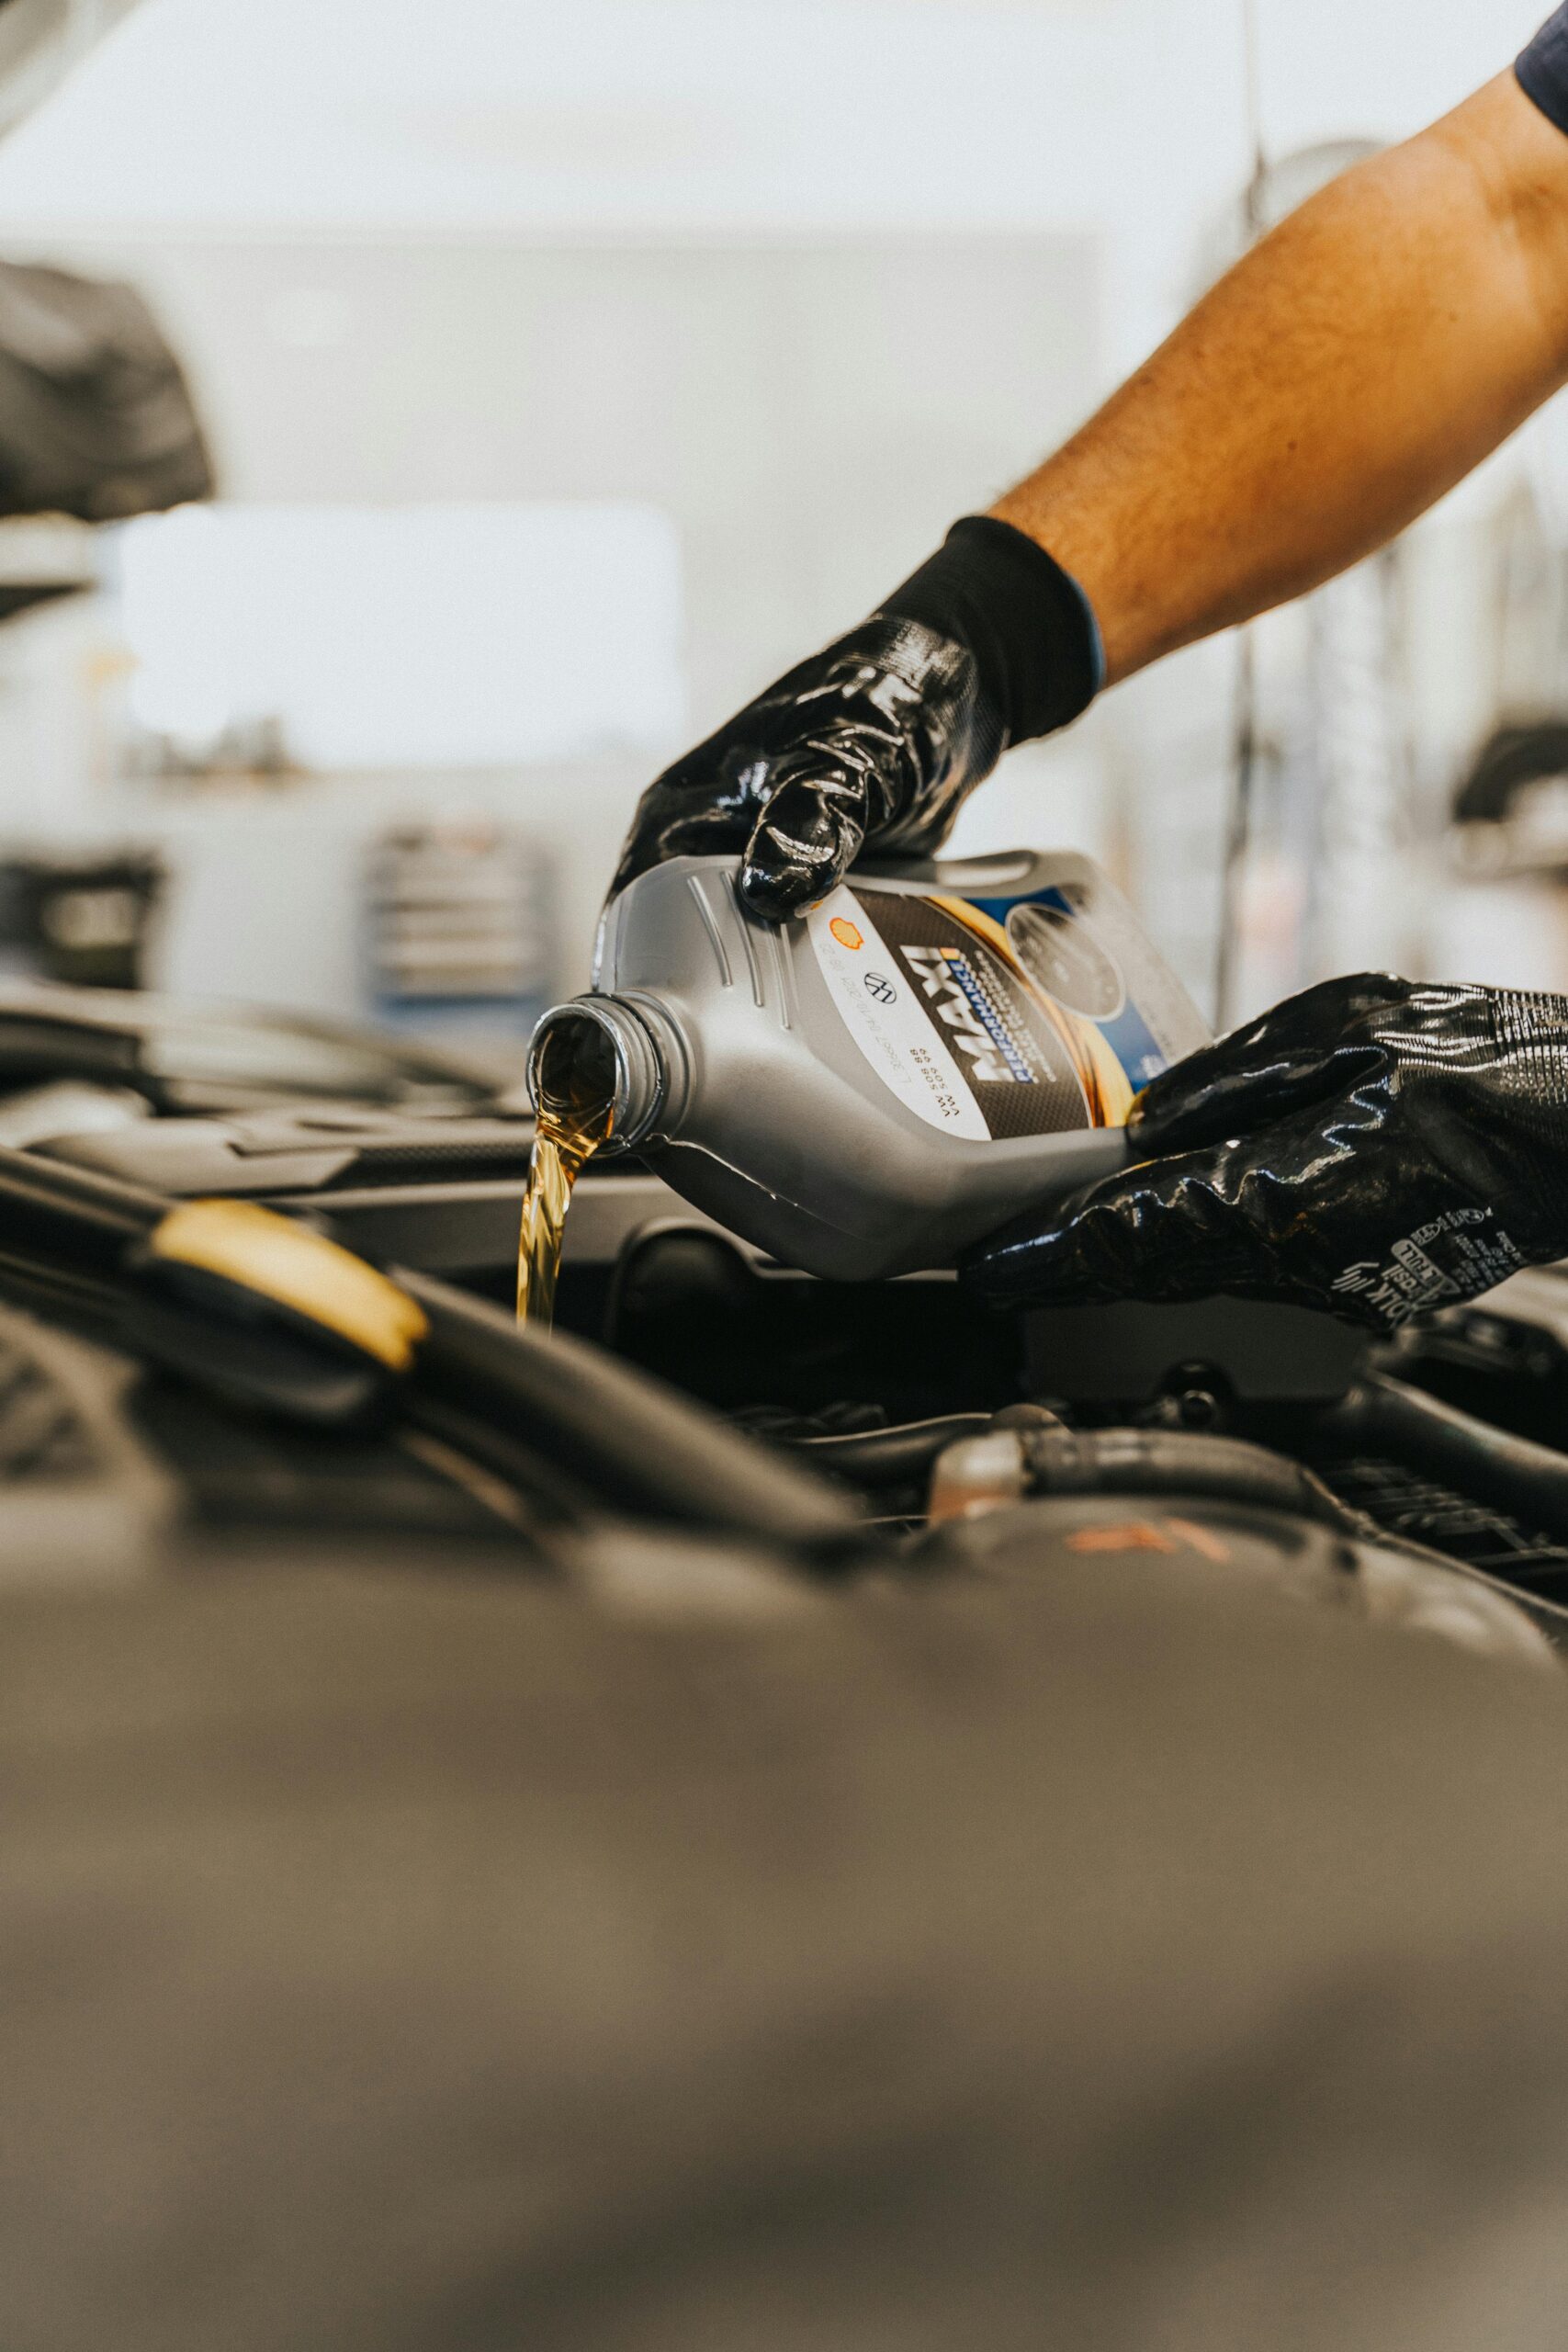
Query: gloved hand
point(878, 740)
point(1374, 1147)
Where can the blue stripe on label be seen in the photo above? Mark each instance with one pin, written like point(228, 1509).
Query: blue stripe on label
point(984, 1012)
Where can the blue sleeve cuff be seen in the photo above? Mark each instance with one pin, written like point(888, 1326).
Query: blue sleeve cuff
point(1096, 643)
point(1542, 70)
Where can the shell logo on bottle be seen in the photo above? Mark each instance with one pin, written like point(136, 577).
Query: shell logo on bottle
point(846, 934)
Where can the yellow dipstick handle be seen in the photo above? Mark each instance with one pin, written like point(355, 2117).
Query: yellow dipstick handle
point(288, 1263)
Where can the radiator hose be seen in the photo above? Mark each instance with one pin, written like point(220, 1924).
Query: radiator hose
point(1051, 1459)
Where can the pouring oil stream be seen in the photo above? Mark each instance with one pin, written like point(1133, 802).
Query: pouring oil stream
point(573, 1114)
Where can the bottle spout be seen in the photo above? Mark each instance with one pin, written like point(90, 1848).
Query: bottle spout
point(594, 1063)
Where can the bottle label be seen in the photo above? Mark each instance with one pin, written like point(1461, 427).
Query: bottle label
point(984, 1027)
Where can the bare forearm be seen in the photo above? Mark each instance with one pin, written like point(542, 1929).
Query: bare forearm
point(1349, 371)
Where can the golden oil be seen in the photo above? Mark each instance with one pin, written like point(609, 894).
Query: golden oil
point(573, 1115)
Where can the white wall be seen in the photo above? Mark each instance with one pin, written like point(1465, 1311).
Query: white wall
point(810, 417)
point(679, 118)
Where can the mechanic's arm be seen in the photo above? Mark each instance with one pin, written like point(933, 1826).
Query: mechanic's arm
point(1352, 367)
point(1343, 376)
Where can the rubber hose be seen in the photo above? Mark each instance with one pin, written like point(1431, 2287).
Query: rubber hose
point(1382, 1415)
point(1140, 1461)
point(636, 1444)
point(895, 1457)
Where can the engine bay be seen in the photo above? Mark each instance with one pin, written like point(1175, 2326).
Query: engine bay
point(1224, 1431)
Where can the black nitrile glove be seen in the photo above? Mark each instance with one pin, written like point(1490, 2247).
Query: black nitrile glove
point(1374, 1147)
point(878, 740)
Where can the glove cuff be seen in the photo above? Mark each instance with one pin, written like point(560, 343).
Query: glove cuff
point(1028, 624)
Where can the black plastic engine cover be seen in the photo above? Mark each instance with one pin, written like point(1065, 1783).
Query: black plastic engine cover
point(1122, 1354)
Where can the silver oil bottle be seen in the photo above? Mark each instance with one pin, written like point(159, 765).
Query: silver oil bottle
point(863, 1091)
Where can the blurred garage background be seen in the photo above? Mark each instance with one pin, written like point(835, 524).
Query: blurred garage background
point(570, 371)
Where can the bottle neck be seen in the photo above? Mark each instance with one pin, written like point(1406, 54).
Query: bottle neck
point(600, 1049)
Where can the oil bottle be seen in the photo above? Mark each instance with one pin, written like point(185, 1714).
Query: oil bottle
point(863, 1091)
